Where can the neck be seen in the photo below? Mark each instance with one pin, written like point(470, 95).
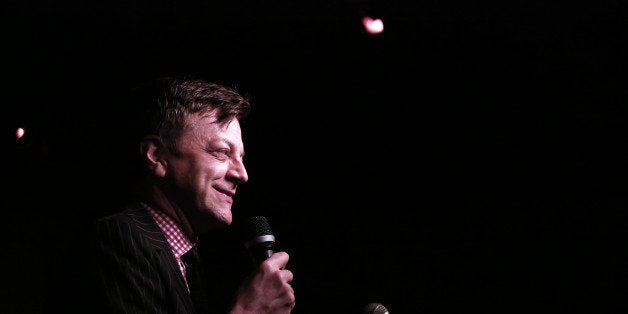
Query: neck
point(156, 198)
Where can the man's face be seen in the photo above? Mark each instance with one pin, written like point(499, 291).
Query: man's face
point(205, 169)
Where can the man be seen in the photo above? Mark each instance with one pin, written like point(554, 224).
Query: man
point(192, 154)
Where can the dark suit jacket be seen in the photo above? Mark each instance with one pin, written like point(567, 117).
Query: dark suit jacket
point(138, 269)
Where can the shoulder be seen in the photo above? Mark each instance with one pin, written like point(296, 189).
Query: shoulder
point(130, 221)
point(129, 225)
point(127, 214)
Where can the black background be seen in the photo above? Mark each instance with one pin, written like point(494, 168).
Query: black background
point(470, 158)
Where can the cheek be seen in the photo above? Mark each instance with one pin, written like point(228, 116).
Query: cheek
point(191, 177)
point(208, 173)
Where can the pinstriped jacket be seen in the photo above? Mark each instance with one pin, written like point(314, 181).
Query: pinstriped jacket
point(138, 270)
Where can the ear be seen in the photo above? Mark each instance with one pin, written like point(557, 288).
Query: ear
point(152, 151)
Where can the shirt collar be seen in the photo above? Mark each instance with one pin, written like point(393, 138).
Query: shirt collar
point(176, 238)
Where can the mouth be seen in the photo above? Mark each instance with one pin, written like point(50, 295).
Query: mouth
point(227, 193)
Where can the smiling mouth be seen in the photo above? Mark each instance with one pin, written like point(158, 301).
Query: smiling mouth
point(227, 193)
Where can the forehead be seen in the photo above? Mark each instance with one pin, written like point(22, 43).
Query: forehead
point(207, 124)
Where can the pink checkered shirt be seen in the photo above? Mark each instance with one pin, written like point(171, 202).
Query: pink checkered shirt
point(179, 243)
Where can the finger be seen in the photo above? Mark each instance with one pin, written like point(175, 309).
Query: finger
point(291, 299)
point(278, 260)
point(286, 275)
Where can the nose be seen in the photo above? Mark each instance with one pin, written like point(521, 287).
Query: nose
point(238, 171)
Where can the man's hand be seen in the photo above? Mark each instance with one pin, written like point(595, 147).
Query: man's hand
point(268, 289)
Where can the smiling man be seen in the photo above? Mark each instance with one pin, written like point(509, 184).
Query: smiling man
point(192, 154)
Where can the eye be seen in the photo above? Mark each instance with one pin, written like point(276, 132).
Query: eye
point(221, 154)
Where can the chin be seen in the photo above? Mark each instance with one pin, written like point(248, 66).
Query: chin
point(224, 218)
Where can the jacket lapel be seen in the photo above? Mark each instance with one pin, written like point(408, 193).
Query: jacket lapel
point(161, 249)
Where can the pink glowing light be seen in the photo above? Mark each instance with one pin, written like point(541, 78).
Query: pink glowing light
point(19, 132)
point(373, 26)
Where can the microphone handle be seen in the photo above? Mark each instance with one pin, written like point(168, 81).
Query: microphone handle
point(261, 251)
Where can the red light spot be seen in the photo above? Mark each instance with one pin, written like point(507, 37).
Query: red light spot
point(373, 26)
point(19, 132)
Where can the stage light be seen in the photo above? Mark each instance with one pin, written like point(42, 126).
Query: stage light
point(19, 133)
point(372, 26)
point(23, 138)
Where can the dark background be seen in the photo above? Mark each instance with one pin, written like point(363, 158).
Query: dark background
point(471, 158)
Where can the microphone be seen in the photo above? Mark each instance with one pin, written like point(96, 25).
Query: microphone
point(375, 308)
point(259, 238)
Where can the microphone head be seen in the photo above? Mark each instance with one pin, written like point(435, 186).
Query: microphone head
point(258, 238)
point(256, 226)
point(375, 308)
